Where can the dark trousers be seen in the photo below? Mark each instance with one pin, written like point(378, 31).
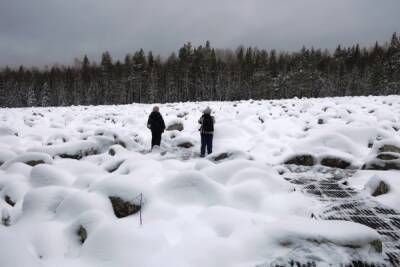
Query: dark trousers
point(206, 140)
point(155, 139)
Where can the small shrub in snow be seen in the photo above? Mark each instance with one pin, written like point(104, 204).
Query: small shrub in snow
point(123, 208)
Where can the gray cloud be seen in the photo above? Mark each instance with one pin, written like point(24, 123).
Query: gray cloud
point(38, 32)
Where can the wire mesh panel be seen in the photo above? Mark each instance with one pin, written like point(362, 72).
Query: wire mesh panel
point(342, 202)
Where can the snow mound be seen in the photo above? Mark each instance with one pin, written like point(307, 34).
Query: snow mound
point(45, 175)
point(190, 187)
point(77, 182)
point(7, 131)
point(15, 252)
point(29, 158)
point(6, 154)
point(73, 149)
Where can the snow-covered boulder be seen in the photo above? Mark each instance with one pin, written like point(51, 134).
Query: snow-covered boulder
point(335, 162)
point(4, 131)
point(46, 175)
point(190, 187)
point(281, 237)
point(29, 158)
point(15, 250)
point(385, 155)
point(184, 142)
point(123, 208)
point(6, 155)
point(57, 139)
point(176, 124)
point(14, 191)
point(301, 159)
point(229, 154)
point(73, 149)
point(377, 186)
point(43, 201)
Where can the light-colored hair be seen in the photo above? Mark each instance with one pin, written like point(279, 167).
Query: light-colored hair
point(156, 109)
point(207, 110)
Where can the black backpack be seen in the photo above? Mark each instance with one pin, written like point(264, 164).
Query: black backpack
point(208, 123)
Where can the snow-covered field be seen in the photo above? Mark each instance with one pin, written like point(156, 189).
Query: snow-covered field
point(72, 180)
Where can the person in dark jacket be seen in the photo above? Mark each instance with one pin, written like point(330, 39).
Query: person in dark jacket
point(157, 126)
point(206, 131)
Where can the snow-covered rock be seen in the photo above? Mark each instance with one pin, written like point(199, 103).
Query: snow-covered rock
point(74, 178)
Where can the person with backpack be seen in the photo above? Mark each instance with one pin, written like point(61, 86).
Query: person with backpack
point(206, 131)
point(157, 126)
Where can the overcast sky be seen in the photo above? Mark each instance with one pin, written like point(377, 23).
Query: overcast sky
point(38, 32)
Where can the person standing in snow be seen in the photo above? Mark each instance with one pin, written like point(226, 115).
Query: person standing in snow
point(206, 131)
point(157, 126)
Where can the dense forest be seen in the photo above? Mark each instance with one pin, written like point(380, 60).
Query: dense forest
point(205, 73)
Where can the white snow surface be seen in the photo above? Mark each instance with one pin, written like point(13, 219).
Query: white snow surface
point(196, 212)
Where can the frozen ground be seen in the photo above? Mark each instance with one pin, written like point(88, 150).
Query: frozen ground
point(73, 180)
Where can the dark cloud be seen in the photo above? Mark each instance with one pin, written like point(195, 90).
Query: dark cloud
point(48, 31)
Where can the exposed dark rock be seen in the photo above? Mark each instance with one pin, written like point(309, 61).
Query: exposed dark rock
point(382, 165)
point(79, 154)
point(260, 119)
point(185, 144)
point(175, 126)
point(381, 189)
point(320, 121)
point(114, 166)
point(5, 218)
point(120, 142)
point(82, 233)
point(112, 152)
point(377, 245)
point(335, 162)
point(387, 156)
point(182, 114)
point(123, 208)
point(8, 200)
point(34, 162)
point(389, 148)
point(221, 156)
point(304, 160)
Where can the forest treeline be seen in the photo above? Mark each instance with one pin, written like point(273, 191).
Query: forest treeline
point(205, 73)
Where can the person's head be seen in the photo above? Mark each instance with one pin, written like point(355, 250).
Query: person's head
point(207, 110)
point(156, 109)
